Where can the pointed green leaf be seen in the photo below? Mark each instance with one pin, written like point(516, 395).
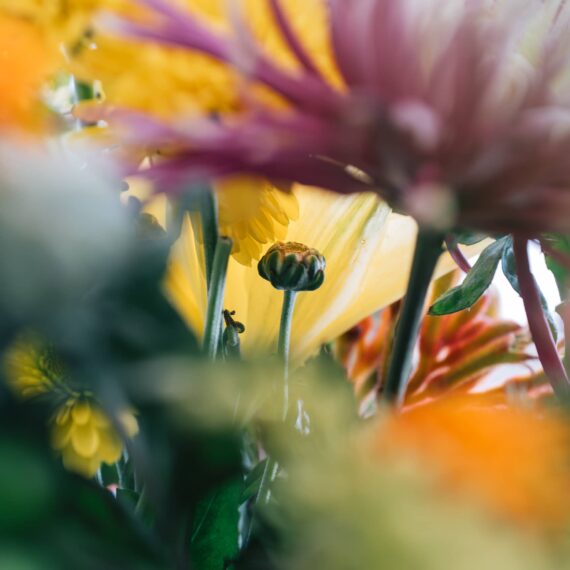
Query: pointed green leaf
point(476, 283)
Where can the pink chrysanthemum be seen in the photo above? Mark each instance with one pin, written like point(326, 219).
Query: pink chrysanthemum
point(455, 112)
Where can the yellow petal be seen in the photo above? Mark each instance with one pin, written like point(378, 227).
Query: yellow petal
point(85, 440)
point(110, 448)
point(129, 423)
point(86, 466)
point(185, 281)
point(368, 252)
point(81, 413)
point(63, 415)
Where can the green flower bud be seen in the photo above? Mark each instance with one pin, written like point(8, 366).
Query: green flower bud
point(293, 266)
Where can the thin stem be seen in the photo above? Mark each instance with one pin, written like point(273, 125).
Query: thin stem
point(427, 252)
point(561, 279)
point(456, 254)
point(209, 217)
point(537, 323)
point(284, 343)
point(272, 466)
point(216, 297)
point(203, 201)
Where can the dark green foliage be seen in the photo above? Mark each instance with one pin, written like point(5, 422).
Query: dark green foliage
point(214, 541)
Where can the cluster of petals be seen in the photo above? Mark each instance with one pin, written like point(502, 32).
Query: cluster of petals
point(458, 115)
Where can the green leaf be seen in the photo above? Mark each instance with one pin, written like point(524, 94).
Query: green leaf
point(509, 267)
point(476, 283)
point(215, 534)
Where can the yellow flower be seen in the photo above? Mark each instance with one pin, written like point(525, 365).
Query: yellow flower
point(60, 21)
point(169, 82)
point(84, 436)
point(80, 431)
point(162, 80)
point(31, 369)
point(368, 252)
point(252, 212)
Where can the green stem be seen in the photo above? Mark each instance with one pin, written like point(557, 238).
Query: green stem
point(285, 342)
point(209, 218)
point(201, 200)
point(427, 252)
point(216, 297)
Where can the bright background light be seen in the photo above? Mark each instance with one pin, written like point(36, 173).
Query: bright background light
point(511, 305)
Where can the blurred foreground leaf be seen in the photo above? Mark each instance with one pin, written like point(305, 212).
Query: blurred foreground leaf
point(215, 533)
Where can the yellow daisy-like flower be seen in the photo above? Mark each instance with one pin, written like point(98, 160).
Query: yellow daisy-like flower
point(84, 436)
point(80, 431)
point(162, 80)
point(368, 252)
point(31, 369)
point(169, 82)
point(60, 21)
point(253, 213)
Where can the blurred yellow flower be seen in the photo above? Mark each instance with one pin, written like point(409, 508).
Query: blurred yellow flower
point(251, 211)
point(368, 252)
point(170, 82)
point(61, 21)
point(80, 431)
point(84, 436)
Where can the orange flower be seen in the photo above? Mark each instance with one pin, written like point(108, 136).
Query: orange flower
point(26, 60)
point(513, 461)
point(455, 352)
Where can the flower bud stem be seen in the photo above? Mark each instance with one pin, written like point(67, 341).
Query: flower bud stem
point(216, 297)
point(284, 343)
point(427, 252)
